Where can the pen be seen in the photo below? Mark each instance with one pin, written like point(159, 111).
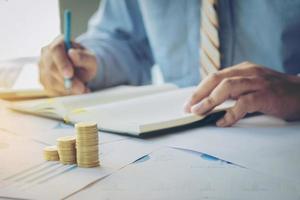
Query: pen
point(67, 40)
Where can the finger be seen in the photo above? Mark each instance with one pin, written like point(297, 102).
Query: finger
point(48, 70)
point(87, 90)
point(41, 72)
point(55, 93)
point(229, 88)
point(60, 58)
point(57, 86)
point(85, 63)
point(58, 89)
point(245, 104)
point(54, 87)
point(76, 45)
point(208, 84)
point(78, 86)
point(55, 73)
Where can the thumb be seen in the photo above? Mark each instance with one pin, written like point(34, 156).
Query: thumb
point(85, 62)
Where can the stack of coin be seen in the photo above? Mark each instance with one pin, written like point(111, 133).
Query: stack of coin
point(67, 150)
point(51, 153)
point(87, 144)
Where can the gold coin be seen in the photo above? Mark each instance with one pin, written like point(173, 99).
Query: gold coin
point(92, 137)
point(88, 162)
point(51, 158)
point(66, 139)
point(68, 160)
point(87, 149)
point(85, 155)
point(88, 158)
point(92, 163)
point(50, 149)
point(89, 165)
point(86, 143)
point(67, 156)
point(51, 153)
point(73, 151)
point(92, 152)
point(95, 140)
point(66, 146)
point(85, 125)
point(67, 150)
point(68, 163)
point(87, 129)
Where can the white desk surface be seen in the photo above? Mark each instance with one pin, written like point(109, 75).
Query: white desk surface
point(265, 163)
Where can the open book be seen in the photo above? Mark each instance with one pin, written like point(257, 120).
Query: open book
point(125, 109)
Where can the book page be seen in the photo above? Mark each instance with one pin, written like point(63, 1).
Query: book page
point(112, 95)
point(144, 114)
point(60, 107)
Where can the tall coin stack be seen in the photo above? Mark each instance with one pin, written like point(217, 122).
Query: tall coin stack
point(87, 144)
point(67, 150)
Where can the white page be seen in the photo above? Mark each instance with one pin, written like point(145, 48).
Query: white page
point(134, 116)
point(115, 94)
point(262, 143)
point(28, 78)
point(173, 174)
point(16, 153)
point(14, 69)
point(60, 107)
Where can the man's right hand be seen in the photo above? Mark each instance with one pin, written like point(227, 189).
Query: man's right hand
point(56, 64)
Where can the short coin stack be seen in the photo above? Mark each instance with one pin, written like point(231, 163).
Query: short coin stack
point(87, 144)
point(51, 153)
point(66, 150)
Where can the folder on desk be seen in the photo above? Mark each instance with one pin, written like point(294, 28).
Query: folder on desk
point(125, 109)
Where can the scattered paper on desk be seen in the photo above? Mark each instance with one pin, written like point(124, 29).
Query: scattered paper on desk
point(174, 174)
point(272, 149)
point(24, 171)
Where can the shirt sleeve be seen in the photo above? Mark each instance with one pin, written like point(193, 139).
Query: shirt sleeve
point(117, 36)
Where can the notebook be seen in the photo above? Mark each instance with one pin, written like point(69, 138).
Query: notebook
point(124, 109)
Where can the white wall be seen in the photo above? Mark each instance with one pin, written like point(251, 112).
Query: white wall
point(26, 26)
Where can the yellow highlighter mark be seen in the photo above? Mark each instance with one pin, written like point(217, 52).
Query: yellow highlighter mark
point(66, 119)
point(74, 111)
point(78, 111)
point(51, 100)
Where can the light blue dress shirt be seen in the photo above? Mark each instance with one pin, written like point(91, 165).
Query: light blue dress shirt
point(130, 36)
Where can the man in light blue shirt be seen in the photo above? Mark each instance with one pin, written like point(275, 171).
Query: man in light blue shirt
point(126, 38)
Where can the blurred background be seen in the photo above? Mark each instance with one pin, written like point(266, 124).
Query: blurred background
point(28, 25)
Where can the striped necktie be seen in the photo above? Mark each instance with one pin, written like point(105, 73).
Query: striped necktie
point(209, 48)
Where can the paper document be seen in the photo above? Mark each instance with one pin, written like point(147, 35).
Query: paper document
point(20, 79)
point(262, 143)
point(24, 173)
point(174, 174)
